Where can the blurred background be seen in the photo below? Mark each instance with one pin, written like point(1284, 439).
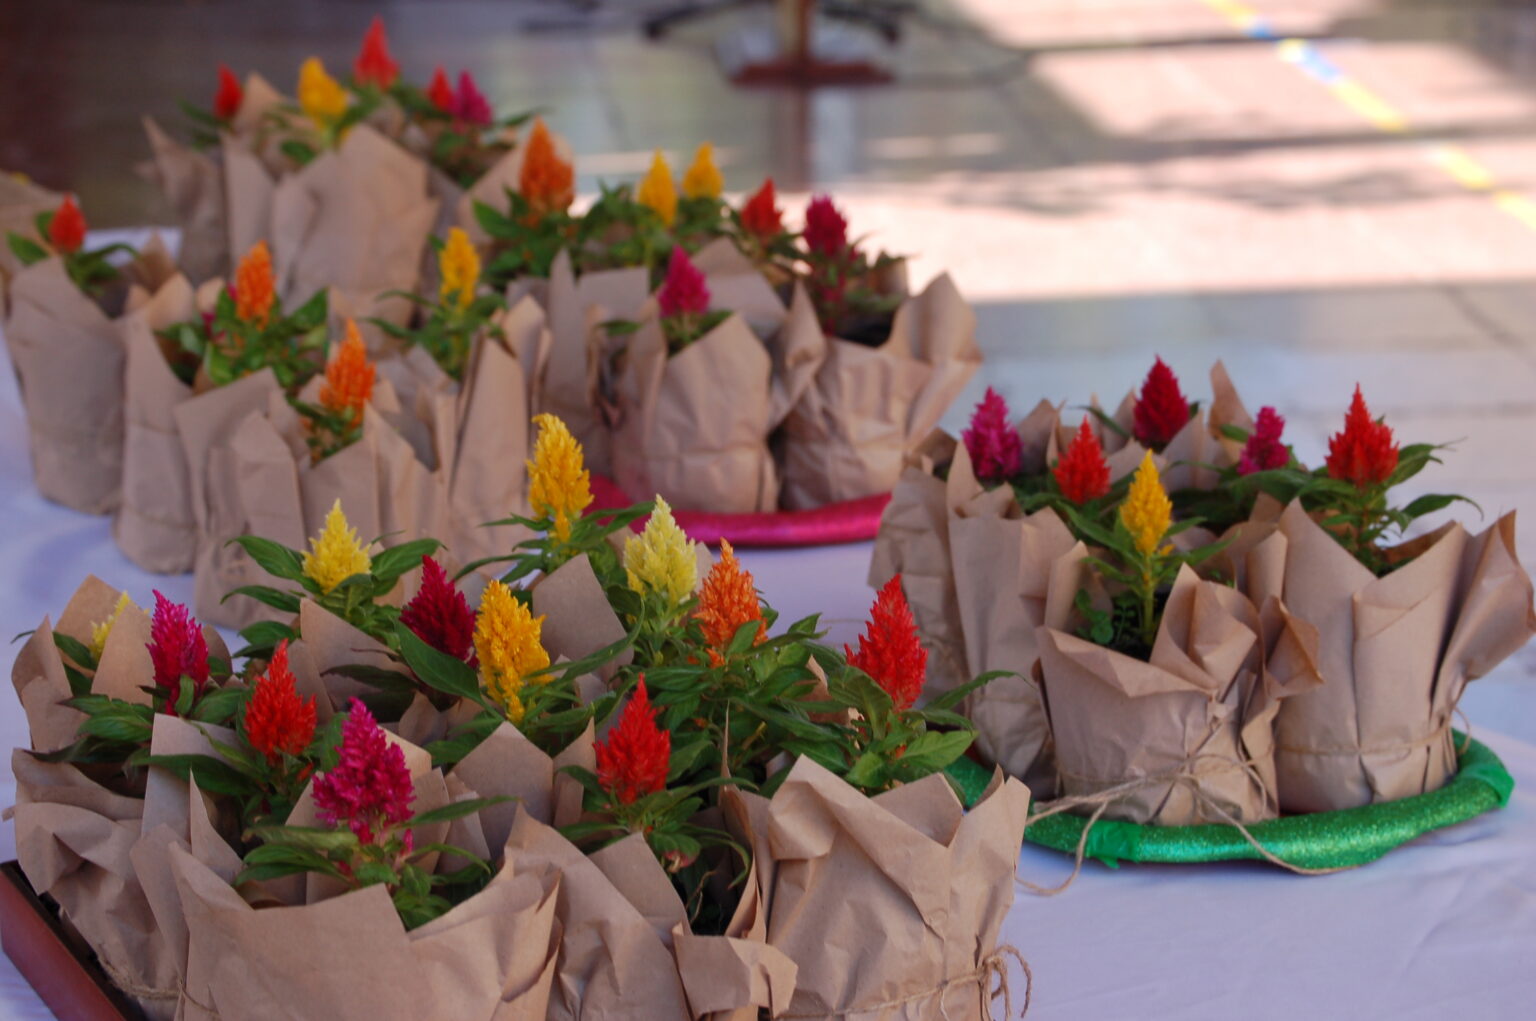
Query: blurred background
point(1318, 192)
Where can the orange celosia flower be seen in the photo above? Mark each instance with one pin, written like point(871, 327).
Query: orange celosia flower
point(727, 601)
point(546, 181)
point(254, 289)
point(348, 378)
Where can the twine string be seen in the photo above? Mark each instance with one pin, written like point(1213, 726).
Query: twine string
point(995, 965)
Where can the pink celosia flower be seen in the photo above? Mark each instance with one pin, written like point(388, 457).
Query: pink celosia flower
point(826, 231)
point(177, 649)
point(684, 291)
point(370, 789)
point(470, 104)
point(994, 446)
point(1264, 451)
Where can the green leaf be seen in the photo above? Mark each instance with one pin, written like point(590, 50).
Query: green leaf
point(395, 561)
point(309, 838)
point(75, 650)
point(221, 704)
point(956, 695)
point(453, 810)
point(213, 775)
point(25, 249)
point(120, 727)
point(287, 602)
point(931, 751)
point(1432, 502)
point(274, 558)
point(438, 670)
point(300, 152)
point(267, 633)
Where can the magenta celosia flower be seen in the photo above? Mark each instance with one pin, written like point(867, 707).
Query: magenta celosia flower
point(1264, 451)
point(177, 649)
point(440, 615)
point(826, 232)
point(370, 789)
point(994, 446)
point(684, 291)
point(470, 104)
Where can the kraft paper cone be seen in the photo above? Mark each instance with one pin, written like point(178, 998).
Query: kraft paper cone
point(21, 200)
point(847, 435)
point(1395, 654)
point(355, 219)
point(1173, 724)
point(38, 672)
point(614, 960)
point(890, 906)
point(578, 619)
point(491, 957)
point(193, 185)
point(68, 358)
point(693, 427)
point(155, 526)
point(574, 304)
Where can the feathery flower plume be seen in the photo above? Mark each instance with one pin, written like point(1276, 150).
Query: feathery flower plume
point(102, 629)
point(1081, 473)
point(826, 230)
point(684, 291)
point(1161, 410)
point(371, 788)
point(459, 265)
point(226, 101)
point(177, 649)
point(470, 104)
point(335, 554)
point(546, 181)
point(440, 615)
point(254, 290)
point(439, 91)
point(321, 97)
point(632, 761)
point(661, 559)
point(278, 721)
point(889, 650)
point(66, 231)
point(1363, 453)
point(702, 179)
point(727, 601)
point(656, 190)
point(1147, 512)
point(374, 66)
point(348, 378)
point(559, 485)
point(996, 451)
point(761, 215)
point(1264, 451)
point(508, 642)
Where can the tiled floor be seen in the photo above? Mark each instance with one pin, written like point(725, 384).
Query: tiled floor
point(1105, 178)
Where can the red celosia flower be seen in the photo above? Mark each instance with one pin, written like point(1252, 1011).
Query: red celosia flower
point(1081, 473)
point(370, 789)
point(1364, 452)
point(826, 232)
point(374, 66)
point(1264, 450)
point(761, 215)
point(226, 101)
point(66, 231)
point(632, 761)
point(469, 104)
point(277, 720)
point(994, 446)
point(177, 649)
point(440, 615)
point(684, 291)
point(1161, 410)
point(889, 650)
point(440, 92)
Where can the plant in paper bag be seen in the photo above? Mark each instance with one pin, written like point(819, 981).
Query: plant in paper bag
point(61, 232)
point(336, 422)
point(448, 325)
point(207, 122)
point(249, 330)
point(842, 280)
point(758, 230)
point(683, 302)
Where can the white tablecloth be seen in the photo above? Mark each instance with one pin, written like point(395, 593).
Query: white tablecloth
point(1443, 927)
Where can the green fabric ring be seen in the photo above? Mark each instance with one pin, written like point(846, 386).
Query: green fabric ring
point(1320, 840)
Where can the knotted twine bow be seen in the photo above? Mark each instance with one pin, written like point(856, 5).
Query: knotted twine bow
point(995, 965)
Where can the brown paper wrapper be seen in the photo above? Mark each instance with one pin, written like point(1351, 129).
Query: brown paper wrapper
point(693, 427)
point(193, 185)
point(931, 884)
point(1395, 654)
point(847, 435)
point(20, 202)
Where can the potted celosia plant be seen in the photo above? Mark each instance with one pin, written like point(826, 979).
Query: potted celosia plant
point(448, 327)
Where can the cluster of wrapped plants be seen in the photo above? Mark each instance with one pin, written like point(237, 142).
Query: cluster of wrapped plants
point(617, 787)
point(1197, 628)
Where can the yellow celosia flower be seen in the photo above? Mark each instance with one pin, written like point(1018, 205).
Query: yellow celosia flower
point(1147, 512)
point(657, 191)
point(102, 628)
point(336, 554)
point(559, 485)
point(703, 180)
point(507, 642)
point(459, 266)
point(661, 559)
point(320, 96)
